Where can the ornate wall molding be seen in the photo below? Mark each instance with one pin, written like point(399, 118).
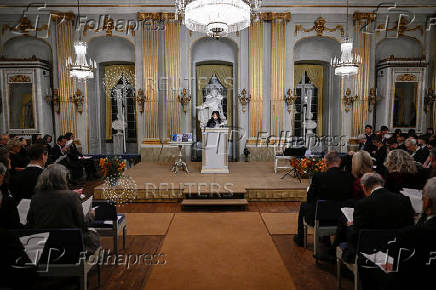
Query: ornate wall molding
point(109, 26)
point(19, 79)
point(156, 16)
point(24, 27)
point(319, 27)
point(407, 78)
point(270, 16)
point(401, 28)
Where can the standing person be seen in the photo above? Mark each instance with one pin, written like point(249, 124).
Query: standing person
point(369, 147)
point(334, 184)
point(214, 121)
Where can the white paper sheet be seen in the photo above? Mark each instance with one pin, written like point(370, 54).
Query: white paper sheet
point(87, 206)
point(415, 197)
point(34, 246)
point(23, 209)
point(348, 213)
point(380, 259)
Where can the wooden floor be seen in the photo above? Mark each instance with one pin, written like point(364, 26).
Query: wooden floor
point(305, 273)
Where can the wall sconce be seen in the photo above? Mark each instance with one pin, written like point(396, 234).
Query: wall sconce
point(77, 99)
point(429, 99)
point(244, 99)
point(54, 99)
point(372, 99)
point(290, 100)
point(184, 99)
point(140, 100)
point(349, 100)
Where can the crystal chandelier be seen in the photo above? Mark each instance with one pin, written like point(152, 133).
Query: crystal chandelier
point(349, 62)
point(217, 18)
point(80, 68)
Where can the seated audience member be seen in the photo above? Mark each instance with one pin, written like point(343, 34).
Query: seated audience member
point(58, 151)
point(402, 172)
point(400, 140)
point(361, 164)
point(9, 218)
point(18, 163)
point(384, 130)
point(379, 154)
point(73, 163)
point(23, 183)
point(55, 206)
point(334, 184)
point(35, 138)
point(412, 134)
point(47, 142)
point(4, 159)
point(391, 144)
point(362, 141)
point(418, 153)
point(429, 165)
point(417, 271)
point(380, 209)
point(4, 139)
point(14, 263)
point(430, 133)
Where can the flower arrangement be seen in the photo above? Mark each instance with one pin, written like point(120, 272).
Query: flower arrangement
point(307, 167)
point(112, 167)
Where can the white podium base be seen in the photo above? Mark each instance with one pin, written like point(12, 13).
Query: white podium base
point(215, 156)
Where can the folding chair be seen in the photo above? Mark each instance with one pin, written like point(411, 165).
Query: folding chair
point(108, 222)
point(326, 223)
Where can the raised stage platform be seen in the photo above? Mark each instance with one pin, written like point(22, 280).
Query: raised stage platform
point(255, 181)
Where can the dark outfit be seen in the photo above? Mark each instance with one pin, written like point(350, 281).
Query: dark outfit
point(369, 146)
point(421, 154)
point(23, 183)
point(396, 181)
point(13, 254)
point(334, 184)
point(380, 157)
point(212, 123)
point(18, 160)
point(60, 209)
point(55, 153)
point(9, 217)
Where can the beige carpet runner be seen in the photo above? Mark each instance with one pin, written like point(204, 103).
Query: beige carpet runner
point(219, 251)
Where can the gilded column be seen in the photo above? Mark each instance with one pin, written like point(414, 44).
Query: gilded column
point(278, 55)
point(362, 46)
point(172, 72)
point(64, 43)
point(150, 46)
point(256, 78)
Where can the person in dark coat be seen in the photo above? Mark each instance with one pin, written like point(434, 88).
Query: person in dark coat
point(334, 184)
point(214, 121)
point(9, 217)
point(23, 183)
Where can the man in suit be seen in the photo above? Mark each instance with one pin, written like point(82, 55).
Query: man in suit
point(419, 154)
point(59, 150)
point(416, 271)
point(23, 183)
point(334, 184)
point(380, 209)
point(379, 153)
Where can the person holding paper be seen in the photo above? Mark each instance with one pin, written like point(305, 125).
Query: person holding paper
point(55, 206)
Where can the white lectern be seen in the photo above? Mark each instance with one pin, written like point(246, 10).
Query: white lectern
point(214, 158)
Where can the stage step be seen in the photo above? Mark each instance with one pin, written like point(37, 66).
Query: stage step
point(214, 202)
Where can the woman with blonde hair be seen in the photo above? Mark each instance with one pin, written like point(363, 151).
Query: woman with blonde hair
point(360, 164)
point(402, 172)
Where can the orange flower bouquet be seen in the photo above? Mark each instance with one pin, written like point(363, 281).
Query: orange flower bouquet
point(112, 167)
point(308, 166)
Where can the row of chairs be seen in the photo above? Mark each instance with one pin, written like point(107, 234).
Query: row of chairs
point(370, 241)
point(108, 222)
